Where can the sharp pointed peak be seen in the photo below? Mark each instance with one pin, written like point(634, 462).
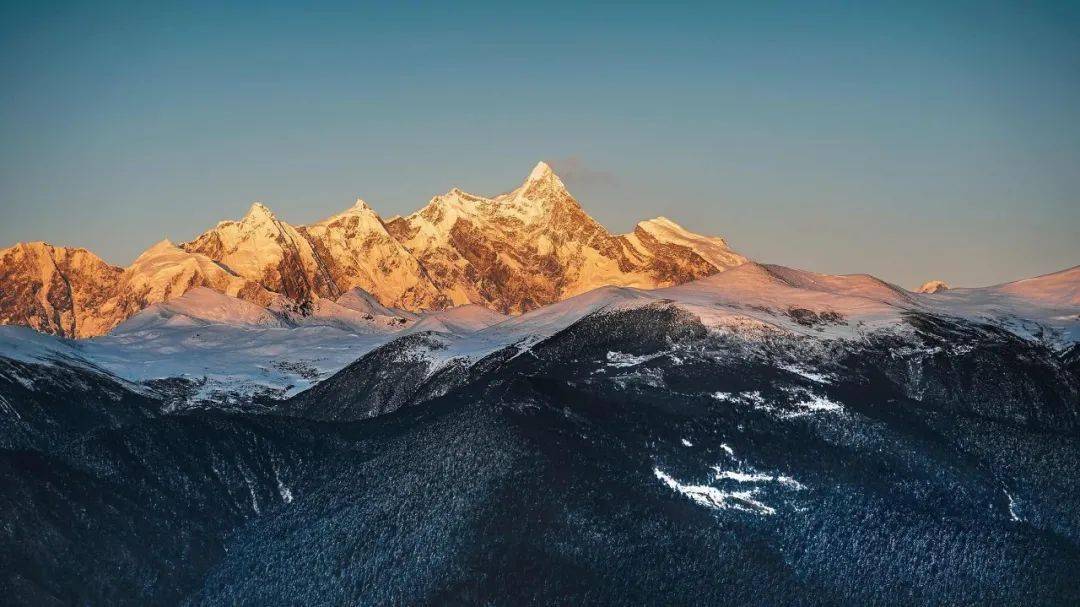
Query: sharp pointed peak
point(542, 170)
point(540, 183)
point(542, 177)
point(359, 210)
point(360, 207)
point(259, 210)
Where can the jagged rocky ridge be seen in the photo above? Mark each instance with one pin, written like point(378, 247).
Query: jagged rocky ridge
point(512, 253)
point(763, 436)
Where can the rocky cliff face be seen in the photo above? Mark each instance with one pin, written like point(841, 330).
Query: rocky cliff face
point(73, 293)
point(515, 252)
point(56, 290)
point(266, 250)
point(357, 251)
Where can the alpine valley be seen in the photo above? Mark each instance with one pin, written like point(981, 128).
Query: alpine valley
point(497, 401)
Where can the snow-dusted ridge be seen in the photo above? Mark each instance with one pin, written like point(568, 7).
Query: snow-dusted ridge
point(755, 301)
point(232, 344)
point(227, 344)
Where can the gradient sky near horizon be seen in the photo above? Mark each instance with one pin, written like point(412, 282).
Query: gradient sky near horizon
point(908, 140)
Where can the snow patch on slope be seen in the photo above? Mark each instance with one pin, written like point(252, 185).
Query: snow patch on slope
point(714, 498)
point(462, 320)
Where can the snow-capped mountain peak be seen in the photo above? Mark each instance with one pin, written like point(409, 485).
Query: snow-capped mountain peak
point(161, 248)
point(514, 252)
point(713, 248)
point(54, 289)
point(360, 207)
point(542, 170)
point(356, 250)
point(368, 217)
point(542, 178)
point(539, 193)
point(445, 209)
point(259, 212)
point(268, 252)
point(933, 286)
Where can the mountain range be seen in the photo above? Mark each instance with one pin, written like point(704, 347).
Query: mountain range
point(763, 435)
point(495, 401)
point(512, 253)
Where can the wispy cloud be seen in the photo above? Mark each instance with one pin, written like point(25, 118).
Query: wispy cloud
point(575, 172)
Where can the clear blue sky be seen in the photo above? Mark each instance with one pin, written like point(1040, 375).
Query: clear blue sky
point(908, 140)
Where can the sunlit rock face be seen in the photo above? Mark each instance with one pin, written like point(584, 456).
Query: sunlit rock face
point(357, 251)
point(933, 286)
point(512, 253)
point(56, 290)
point(264, 249)
point(535, 245)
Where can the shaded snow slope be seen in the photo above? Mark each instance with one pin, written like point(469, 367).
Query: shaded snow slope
point(366, 303)
point(1060, 289)
point(1044, 307)
point(201, 306)
point(462, 320)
